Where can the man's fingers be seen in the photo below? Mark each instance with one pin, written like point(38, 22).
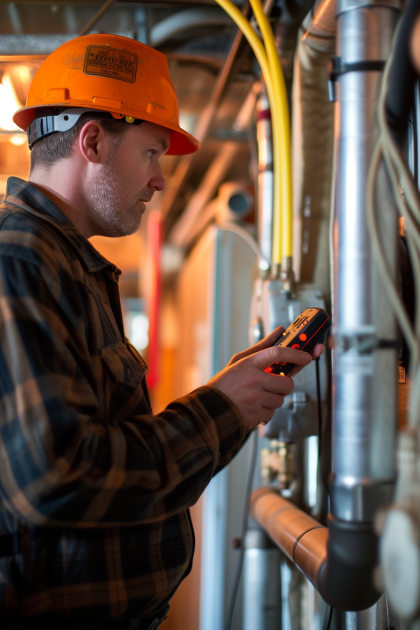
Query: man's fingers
point(255, 392)
point(316, 352)
point(271, 339)
point(267, 357)
point(267, 342)
point(276, 384)
point(273, 401)
point(266, 415)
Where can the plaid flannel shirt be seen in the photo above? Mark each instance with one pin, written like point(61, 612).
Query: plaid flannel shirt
point(96, 486)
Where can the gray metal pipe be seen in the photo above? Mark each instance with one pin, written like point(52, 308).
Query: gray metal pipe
point(261, 601)
point(364, 380)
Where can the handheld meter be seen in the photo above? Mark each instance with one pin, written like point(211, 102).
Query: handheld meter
point(303, 334)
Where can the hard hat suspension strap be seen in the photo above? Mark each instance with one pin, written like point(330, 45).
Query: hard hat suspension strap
point(64, 121)
point(47, 125)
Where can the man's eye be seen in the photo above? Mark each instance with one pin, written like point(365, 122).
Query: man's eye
point(150, 153)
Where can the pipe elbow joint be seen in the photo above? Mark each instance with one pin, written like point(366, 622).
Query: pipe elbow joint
point(346, 578)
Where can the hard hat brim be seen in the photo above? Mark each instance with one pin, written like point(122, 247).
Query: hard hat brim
point(181, 142)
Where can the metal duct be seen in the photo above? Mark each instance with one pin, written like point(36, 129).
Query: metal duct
point(34, 44)
point(182, 21)
point(365, 378)
point(233, 203)
point(321, 30)
point(312, 151)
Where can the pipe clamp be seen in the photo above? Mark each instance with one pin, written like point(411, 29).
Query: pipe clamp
point(361, 501)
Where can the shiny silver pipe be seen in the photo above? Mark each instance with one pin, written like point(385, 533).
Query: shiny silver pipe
point(364, 379)
point(265, 177)
point(262, 587)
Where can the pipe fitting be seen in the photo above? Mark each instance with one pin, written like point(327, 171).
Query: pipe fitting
point(360, 502)
point(346, 578)
point(339, 560)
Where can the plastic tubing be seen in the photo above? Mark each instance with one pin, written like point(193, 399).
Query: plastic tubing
point(283, 209)
point(273, 98)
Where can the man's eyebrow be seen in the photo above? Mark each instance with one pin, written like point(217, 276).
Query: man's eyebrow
point(164, 143)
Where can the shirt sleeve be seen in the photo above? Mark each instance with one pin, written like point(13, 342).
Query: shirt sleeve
point(61, 464)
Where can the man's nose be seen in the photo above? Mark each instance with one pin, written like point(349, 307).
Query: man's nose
point(157, 182)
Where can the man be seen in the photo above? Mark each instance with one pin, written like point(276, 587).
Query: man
point(95, 489)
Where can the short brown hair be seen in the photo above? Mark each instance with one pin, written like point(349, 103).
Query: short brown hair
point(58, 146)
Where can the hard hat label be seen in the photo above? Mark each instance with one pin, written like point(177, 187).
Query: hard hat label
point(113, 63)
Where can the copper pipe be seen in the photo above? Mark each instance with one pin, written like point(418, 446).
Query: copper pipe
point(299, 536)
point(339, 560)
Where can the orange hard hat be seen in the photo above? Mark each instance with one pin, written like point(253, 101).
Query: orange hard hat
point(108, 73)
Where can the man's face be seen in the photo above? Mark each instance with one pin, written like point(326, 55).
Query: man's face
point(118, 189)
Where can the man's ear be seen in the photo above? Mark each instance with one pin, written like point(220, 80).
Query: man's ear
point(93, 142)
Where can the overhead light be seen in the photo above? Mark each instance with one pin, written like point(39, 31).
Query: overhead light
point(9, 103)
point(23, 73)
point(18, 139)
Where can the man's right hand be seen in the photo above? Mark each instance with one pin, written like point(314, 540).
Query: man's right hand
point(256, 393)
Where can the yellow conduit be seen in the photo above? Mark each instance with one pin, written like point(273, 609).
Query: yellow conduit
point(283, 210)
point(276, 91)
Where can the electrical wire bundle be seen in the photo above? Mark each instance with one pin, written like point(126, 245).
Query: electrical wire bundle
point(390, 154)
point(268, 58)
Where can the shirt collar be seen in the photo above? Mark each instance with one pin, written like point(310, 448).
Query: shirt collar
point(22, 193)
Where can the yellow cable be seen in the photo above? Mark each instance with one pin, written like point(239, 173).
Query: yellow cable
point(273, 99)
point(283, 209)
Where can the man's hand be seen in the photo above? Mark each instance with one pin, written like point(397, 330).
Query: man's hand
point(254, 392)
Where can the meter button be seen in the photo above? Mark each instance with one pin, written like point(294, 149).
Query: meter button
point(303, 337)
point(296, 346)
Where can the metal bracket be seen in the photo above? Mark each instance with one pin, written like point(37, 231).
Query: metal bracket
point(339, 67)
point(361, 501)
point(363, 343)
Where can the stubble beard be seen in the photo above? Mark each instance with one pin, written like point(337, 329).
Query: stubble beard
point(111, 213)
